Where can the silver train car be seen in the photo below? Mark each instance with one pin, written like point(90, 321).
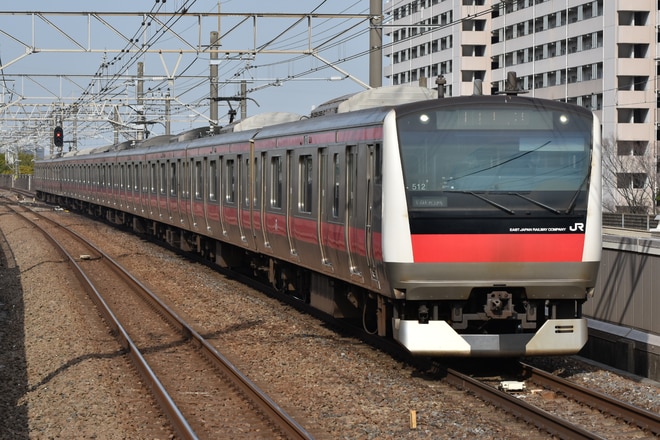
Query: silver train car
point(463, 226)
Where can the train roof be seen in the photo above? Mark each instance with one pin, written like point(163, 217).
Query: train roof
point(273, 123)
point(376, 97)
point(260, 121)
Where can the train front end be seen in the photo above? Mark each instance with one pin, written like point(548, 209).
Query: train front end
point(491, 224)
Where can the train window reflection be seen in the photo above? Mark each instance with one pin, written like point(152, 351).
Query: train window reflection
point(440, 156)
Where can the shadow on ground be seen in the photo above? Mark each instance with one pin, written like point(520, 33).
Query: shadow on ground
point(13, 367)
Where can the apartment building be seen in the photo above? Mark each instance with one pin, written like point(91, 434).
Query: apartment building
point(600, 54)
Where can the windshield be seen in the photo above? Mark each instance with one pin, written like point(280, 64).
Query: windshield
point(498, 149)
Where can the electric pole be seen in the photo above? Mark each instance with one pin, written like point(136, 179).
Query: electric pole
point(376, 44)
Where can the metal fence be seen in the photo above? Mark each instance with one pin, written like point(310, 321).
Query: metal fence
point(23, 181)
point(641, 222)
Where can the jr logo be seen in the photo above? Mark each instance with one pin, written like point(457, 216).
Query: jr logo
point(577, 227)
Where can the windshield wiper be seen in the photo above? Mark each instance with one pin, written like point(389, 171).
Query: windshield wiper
point(485, 199)
point(537, 203)
point(571, 205)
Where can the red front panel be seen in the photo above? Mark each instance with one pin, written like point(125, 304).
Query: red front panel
point(492, 248)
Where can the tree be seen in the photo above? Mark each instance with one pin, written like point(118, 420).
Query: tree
point(629, 177)
point(25, 165)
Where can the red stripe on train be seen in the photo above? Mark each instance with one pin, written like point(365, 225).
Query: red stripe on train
point(491, 248)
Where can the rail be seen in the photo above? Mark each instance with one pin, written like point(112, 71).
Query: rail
point(536, 416)
point(631, 414)
point(285, 423)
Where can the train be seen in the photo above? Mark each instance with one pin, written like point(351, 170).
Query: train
point(465, 226)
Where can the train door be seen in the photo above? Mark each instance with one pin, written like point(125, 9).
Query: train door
point(163, 191)
point(143, 187)
point(130, 184)
point(173, 195)
point(263, 197)
point(352, 219)
point(197, 207)
point(119, 185)
point(114, 184)
point(276, 217)
point(372, 176)
point(247, 200)
point(211, 196)
point(205, 190)
point(322, 217)
point(332, 210)
point(291, 196)
point(231, 201)
point(153, 189)
point(103, 181)
point(256, 222)
point(220, 194)
point(184, 193)
point(241, 190)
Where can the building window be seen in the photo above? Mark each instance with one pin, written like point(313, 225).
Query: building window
point(631, 180)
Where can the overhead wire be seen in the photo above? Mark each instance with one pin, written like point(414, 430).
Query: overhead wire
point(230, 70)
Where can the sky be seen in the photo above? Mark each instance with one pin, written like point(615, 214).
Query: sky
point(75, 58)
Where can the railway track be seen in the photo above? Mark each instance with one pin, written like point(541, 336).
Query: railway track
point(180, 367)
point(602, 403)
point(575, 412)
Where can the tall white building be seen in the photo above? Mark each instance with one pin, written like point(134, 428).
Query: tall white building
point(600, 54)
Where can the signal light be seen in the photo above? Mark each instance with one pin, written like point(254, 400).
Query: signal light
point(58, 136)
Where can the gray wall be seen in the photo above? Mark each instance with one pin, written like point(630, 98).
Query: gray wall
point(628, 288)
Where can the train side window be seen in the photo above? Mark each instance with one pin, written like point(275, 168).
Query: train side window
point(187, 178)
point(184, 176)
point(173, 179)
point(137, 182)
point(258, 179)
point(213, 180)
point(199, 180)
point(378, 171)
point(277, 182)
point(305, 172)
point(230, 183)
point(335, 186)
point(153, 178)
point(247, 183)
point(163, 178)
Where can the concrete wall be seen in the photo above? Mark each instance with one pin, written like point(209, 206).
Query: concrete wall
point(628, 288)
point(625, 331)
